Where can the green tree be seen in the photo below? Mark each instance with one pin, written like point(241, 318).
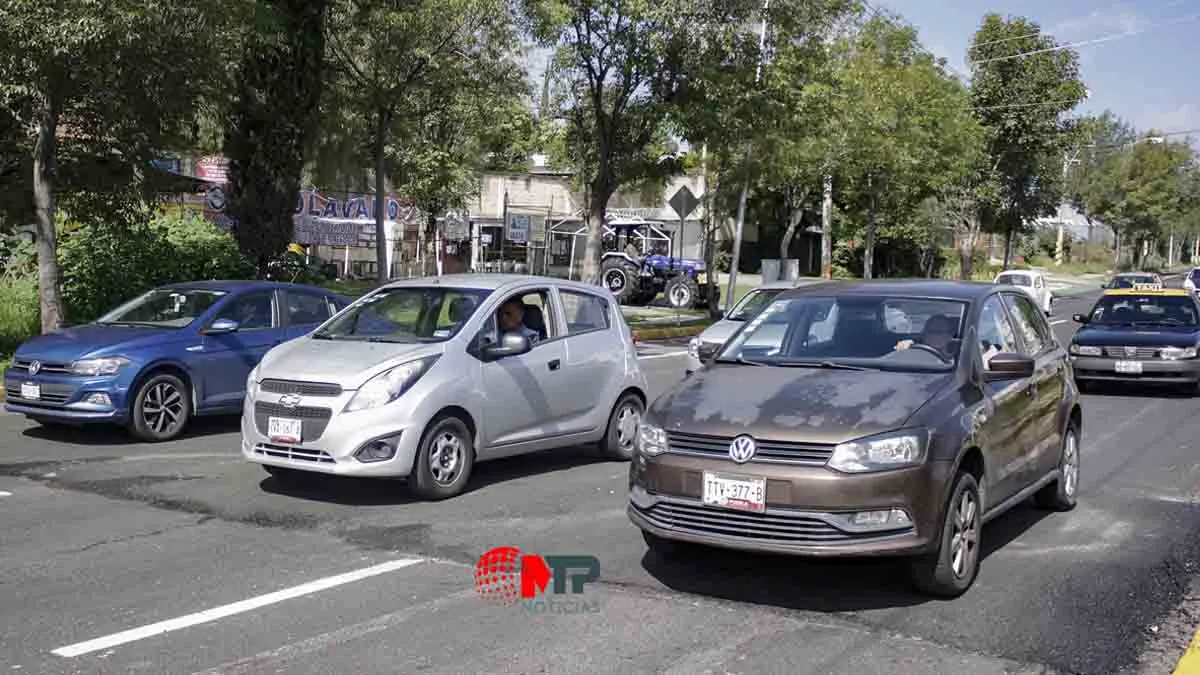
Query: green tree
point(97, 89)
point(272, 119)
point(1022, 84)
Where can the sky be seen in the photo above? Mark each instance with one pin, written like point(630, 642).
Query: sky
point(1147, 77)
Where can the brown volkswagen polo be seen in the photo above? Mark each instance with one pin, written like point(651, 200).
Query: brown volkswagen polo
point(865, 418)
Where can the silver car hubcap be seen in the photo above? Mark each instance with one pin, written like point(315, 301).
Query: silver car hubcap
point(446, 457)
point(964, 543)
point(162, 408)
point(628, 418)
point(1070, 468)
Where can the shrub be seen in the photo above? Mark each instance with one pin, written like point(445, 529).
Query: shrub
point(19, 315)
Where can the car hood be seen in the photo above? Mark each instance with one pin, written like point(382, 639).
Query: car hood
point(346, 362)
point(1161, 336)
point(809, 405)
point(74, 343)
point(720, 331)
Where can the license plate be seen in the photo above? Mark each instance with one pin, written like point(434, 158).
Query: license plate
point(32, 392)
point(284, 430)
point(1129, 367)
point(742, 494)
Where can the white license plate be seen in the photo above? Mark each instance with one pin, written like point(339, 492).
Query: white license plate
point(32, 392)
point(284, 430)
point(1129, 367)
point(743, 494)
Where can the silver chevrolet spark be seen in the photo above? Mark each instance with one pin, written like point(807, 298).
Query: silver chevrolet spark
point(423, 378)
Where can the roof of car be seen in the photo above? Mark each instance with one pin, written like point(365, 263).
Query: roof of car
point(1022, 272)
point(230, 285)
point(491, 281)
point(913, 288)
point(1135, 274)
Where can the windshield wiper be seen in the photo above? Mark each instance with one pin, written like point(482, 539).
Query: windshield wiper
point(832, 365)
point(742, 360)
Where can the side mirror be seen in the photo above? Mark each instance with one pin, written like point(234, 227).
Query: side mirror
point(1079, 318)
point(222, 327)
point(511, 344)
point(721, 314)
point(1008, 366)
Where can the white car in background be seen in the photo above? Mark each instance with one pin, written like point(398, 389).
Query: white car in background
point(1032, 282)
point(1192, 281)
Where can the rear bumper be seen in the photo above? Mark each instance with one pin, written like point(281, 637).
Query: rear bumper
point(1159, 371)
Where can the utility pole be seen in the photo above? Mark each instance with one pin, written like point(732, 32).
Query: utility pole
point(741, 212)
point(1069, 158)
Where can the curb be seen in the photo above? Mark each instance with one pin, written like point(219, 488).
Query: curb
point(1189, 664)
point(644, 334)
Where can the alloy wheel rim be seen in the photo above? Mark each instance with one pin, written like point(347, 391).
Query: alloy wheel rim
point(628, 418)
point(1070, 467)
point(615, 280)
point(446, 457)
point(964, 543)
point(163, 408)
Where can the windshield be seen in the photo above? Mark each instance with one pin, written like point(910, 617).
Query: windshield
point(854, 332)
point(752, 303)
point(1195, 274)
point(163, 308)
point(1014, 280)
point(1129, 281)
point(1167, 310)
point(406, 314)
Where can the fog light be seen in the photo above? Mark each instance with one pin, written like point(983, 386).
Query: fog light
point(869, 521)
point(378, 450)
point(99, 398)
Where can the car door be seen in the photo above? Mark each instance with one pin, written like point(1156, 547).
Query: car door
point(523, 396)
point(1009, 401)
point(228, 358)
point(1042, 437)
point(303, 312)
point(595, 359)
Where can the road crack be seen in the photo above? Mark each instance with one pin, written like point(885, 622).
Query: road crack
point(133, 537)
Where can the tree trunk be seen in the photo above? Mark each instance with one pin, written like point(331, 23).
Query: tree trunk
point(869, 251)
point(827, 228)
point(597, 207)
point(49, 279)
point(383, 273)
point(966, 247)
point(1008, 242)
point(795, 216)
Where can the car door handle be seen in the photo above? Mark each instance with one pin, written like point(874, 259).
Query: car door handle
point(554, 365)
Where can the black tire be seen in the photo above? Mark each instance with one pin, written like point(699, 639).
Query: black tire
point(935, 573)
point(455, 463)
point(621, 278)
point(1062, 494)
point(618, 436)
point(682, 292)
point(667, 548)
point(161, 408)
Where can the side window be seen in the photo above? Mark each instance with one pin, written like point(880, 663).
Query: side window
point(306, 308)
point(536, 317)
point(995, 331)
point(252, 311)
point(584, 312)
point(337, 304)
point(821, 328)
point(1029, 323)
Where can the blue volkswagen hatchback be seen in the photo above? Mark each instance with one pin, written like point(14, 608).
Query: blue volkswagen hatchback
point(155, 362)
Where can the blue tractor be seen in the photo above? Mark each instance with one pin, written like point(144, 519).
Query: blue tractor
point(638, 279)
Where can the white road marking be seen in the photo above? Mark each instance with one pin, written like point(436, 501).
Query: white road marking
point(5, 494)
point(223, 611)
point(1055, 323)
point(647, 357)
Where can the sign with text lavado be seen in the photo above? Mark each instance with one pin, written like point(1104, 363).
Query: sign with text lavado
point(350, 221)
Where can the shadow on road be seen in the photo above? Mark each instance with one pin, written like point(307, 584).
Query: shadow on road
point(348, 491)
point(110, 434)
point(846, 585)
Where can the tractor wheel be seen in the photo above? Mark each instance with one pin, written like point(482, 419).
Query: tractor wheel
point(682, 292)
point(621, 277)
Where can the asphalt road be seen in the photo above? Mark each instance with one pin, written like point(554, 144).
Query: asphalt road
point(100, 536)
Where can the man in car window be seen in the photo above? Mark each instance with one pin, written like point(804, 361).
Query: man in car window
point(511, 319)
point(937, 333)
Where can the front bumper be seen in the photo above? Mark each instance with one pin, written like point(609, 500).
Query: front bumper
point(67, 398)
point(1154, 371)
point(805, 507)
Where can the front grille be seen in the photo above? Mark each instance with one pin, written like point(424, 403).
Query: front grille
point(1138, 352)
point(300, 454)
point(302, 388)
point(313, 420)
point(776, 525)
point(777, 452)
point(23, 365)
point(53, 394)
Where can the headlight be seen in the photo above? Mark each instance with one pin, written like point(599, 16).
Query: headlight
point(390, 384)
point(252, 383)
point(694, 348)
point(880, 453)
point(94, 367)
point(1175, 353)
point(651, 440)
point(1084, 350)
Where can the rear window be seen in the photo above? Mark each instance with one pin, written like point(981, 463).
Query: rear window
point(1014, 280)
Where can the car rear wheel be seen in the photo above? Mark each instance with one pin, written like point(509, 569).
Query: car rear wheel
point(951, 569)
point(161, 408)
point(1061, 494)
point(622, 428)
point(444, 459)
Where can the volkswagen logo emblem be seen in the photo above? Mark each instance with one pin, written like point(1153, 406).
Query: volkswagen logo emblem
point(289, 400)
point(35, 367)
point(741, 450)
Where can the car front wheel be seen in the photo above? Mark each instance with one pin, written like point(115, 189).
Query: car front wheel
point(161, 408)
point(951, 568)
point(444, 459)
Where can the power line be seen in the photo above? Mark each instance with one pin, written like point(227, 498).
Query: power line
point(1037, 33)
point(1084, 43)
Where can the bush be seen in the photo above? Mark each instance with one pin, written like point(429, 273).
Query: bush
point(19, 315)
